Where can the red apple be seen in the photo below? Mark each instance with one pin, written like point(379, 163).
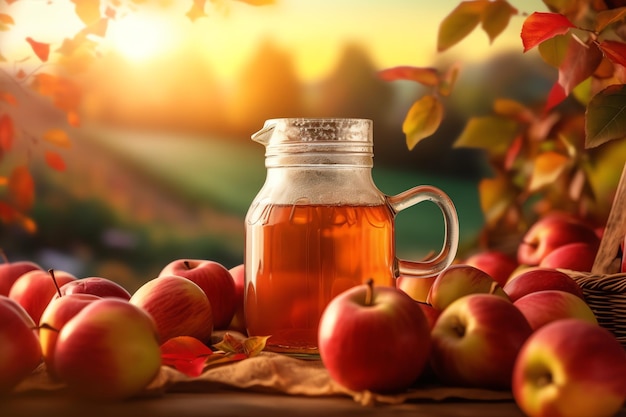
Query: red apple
point(57, 313)
point(458, 280)
point(476, 340)
point(577, 256)
point(215, 280)
point(102, 287)
point(108, 351)
point(20, 352)
point(178, 306)
point(570, 368)
point(374, 338)
point(538, 279)
point(416, 287)
point(34, 290)
point(11, 271)
point(549, 233)
point(497, 264)
point(431, 313)
point(543, 307)
point(238, 323)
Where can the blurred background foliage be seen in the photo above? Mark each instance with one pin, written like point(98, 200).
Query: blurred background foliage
point(162, 165)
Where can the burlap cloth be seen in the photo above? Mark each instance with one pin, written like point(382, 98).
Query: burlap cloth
point(279, 374)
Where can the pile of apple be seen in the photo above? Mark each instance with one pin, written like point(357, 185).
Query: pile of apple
point(492, 321)
point(97, 338)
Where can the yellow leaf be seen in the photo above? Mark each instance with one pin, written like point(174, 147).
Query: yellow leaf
point(513, 109)
point(449, 79)
point(254, 345)
point(58, 137)
point(422, 120)
point(88, 11)
point(459, 23)
point(547, 168)
point(496, 18)
point(496, 194)
point(492, 133)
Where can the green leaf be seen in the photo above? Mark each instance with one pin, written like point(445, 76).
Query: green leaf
point(492, 133)
point(605, 118)
point(422, 120)
point(460, 23)
point(496, 17)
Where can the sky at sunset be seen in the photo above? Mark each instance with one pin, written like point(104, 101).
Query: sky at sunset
point(396, 32)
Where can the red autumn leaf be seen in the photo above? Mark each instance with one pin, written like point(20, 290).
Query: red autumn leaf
point(8, 214)
point(513, 151)
point(425, 76)
point(614, 51)
point(73, 119)
point(555, 96)
point(539, 27)
point(186, 354)
point(21, 188)
point(55, 161)
point(580, 62)
point(197, 10)
point(7, 133)
point(42, 50)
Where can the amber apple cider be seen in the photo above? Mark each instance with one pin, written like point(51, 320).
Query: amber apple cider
point(301, 256)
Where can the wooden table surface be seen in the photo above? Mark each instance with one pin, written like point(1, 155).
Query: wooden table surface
point(236, 403)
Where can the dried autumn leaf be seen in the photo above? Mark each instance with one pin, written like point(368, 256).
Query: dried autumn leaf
point(607, 17)
point(580, 62)
point(5, 21)
point(496, 17)
point(250, 346)
point(605, 118)
point(42, 50)
point(492, 133)
point(21, 188)
point(57, 137)
point(7, 133)
point(422, 75)
point(422, 120)
point(614, 51)
point(187, 354)
point(496, 195)
point(540, 26)
point(55, 161)
point(547, 167)
point(460, 23)
point(197, 10)
point(88, 11)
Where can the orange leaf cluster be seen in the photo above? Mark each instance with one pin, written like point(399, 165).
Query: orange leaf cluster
point(192, 357)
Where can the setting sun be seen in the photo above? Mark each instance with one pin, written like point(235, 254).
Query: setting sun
point(142, 36)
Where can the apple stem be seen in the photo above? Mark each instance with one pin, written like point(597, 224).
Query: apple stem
point(3, 255)
point(494, 287)
point(369, 293)
point(56, 284)
point(187, 265)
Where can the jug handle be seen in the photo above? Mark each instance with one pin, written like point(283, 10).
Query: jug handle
point(432, 266)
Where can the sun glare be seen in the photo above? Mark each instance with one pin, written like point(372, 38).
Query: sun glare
point(140, 37)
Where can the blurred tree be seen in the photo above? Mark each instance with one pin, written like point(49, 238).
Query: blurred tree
point(267, 88)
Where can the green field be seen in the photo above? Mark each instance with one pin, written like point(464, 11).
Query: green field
point(227, 174)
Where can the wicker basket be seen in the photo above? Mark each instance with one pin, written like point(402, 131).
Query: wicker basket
point(606, 295)
point(604, 287)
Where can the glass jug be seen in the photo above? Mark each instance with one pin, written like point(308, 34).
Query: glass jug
point(319, 225)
